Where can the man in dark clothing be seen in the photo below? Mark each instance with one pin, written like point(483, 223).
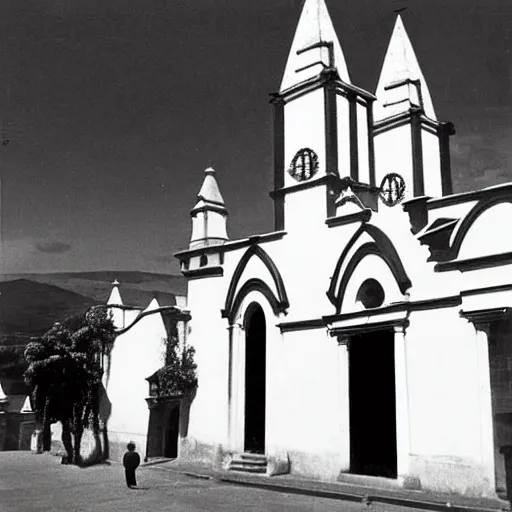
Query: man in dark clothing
point(131, 461)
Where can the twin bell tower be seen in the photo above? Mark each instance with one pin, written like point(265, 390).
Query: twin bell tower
point(334, 141)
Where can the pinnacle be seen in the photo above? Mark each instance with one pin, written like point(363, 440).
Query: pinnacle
point(401, 82)
point(314, 27)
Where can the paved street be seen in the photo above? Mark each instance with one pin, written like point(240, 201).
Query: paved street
point(31, 483)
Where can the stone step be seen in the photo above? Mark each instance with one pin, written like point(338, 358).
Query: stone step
point(247, 468)
point(253, 456)
point(254, 462)
point(249, 463)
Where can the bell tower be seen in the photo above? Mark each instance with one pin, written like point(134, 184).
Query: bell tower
point(322, 125)
point(408, 138)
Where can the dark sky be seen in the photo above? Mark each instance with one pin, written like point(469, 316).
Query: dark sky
point(114, 108)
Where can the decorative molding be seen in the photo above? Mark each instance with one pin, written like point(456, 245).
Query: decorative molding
point(202, 272)
point(466, 265)
point(302, 325)
point(362, 216)
point(382, 246)
point(483, 205)
point(488, 289)
point(418, 212)
point(278, 306)
point(485, 316)
point(327, 179)
point(232, 246)
point(474, 195)
point(385, 325)
point(255, 251)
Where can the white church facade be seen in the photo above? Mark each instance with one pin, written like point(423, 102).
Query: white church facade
point(368, 334)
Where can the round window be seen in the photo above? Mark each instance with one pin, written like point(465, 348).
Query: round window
point(371, 294)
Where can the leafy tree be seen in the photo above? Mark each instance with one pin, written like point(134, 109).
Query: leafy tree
point(65, 371)
point(179, 375)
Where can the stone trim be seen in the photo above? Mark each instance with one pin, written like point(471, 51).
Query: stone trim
point(255, 251)
point(199, 273)
point(494, 260)
point(362, 216)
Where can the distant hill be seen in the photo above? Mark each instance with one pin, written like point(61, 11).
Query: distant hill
point(32, 308)
point(31, 303)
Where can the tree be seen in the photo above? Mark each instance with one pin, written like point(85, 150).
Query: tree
point(65, 371)
point(179, 375)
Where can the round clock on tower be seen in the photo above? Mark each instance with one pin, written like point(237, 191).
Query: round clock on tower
point(304, 165)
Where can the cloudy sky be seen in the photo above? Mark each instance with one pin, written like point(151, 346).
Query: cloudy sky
point(113, 109)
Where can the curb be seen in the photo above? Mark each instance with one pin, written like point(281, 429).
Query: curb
point(365, 498)
point(362, 498)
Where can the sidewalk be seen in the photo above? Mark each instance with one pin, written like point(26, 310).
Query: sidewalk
point(334, 490)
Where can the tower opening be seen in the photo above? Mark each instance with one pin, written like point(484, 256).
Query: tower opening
point(255, 379)
point(373, 446)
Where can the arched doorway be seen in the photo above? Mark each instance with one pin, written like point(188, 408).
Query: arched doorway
point(255, 379)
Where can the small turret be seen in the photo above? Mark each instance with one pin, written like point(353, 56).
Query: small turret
point(209, 215)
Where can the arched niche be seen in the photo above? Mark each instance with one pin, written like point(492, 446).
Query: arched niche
point(371, 280)
point(367, 241)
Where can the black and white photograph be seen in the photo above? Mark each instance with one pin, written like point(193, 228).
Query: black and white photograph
point(255, 255)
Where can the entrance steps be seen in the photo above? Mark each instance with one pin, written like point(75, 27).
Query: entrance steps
point(249, 463)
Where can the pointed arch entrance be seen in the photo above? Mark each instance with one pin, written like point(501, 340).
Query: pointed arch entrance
point(255, 378)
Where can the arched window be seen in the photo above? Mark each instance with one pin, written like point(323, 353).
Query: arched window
point(371, 294)
point(203, 261)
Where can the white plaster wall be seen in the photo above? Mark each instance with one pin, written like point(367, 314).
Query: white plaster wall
point(343, 120)
point(309, 403)
point(198, 226)
point(444, 375)
point(362, 143)
point(304, 126)
point(216, 225)
point(208, 334)
point(306, 211)
point(393, 154)
point(137, 354)
point(431, 164)
point(485, 236)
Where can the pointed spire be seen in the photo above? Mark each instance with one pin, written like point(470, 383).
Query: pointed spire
point(315, 26)
point(210, 189)
point(402, 72)
point(27, 406)
point(209, 193)
point(115, 295)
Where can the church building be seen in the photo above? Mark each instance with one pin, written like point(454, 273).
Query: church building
point(368, 336)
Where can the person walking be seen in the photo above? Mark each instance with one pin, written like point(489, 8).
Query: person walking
point(131, 461)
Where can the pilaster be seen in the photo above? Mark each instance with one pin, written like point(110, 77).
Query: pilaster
point(403, 442)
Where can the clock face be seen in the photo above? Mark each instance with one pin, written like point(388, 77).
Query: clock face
point(392, 189)
point(304, 165)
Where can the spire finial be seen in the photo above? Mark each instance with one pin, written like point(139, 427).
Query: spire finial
point(315, 47)
point(210, 171)
point(115, 282)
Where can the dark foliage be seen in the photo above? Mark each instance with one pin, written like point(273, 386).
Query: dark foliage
point(65, 371)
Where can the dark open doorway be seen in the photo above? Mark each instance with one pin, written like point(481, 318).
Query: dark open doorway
point(255, 379)
point(164, 429)
point(172, 433)
point(372, 404)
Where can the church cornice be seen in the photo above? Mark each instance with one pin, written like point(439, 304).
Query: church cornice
point(328, 179)
point(327, 78)
point(232, 245)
